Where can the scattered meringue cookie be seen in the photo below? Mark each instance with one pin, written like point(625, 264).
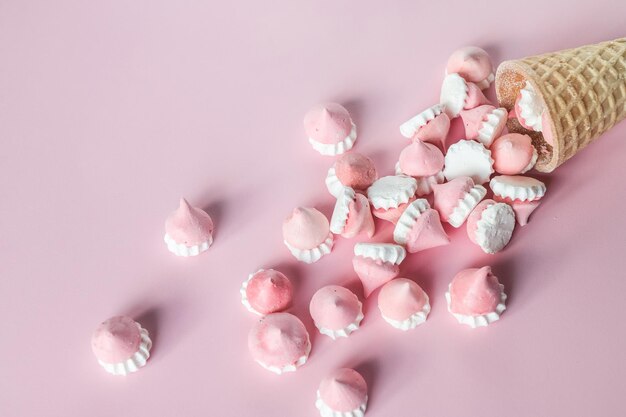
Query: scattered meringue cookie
point(403, 304)
point(266, 291)
point(424, 162)
point(458, 94)
point(513, 154)
point(421, 159)
point(390, 195)
point(490, 225)
point(523, 194)
point(188, 230)
point(351, 170)
point(306, 233)
point(432, 125)
point(419, 228)
point(279, 343)
point(529, 108)
point(336, 311)
point(377, 264)
point(473, 64)
point(484, 123)
point(517, 187)
point(522, 209)
point(330, 129)
point(121, 345)
point(468, 158)
point(456, 199)
point(342, 394)
point(352, 215)
point(475, 297)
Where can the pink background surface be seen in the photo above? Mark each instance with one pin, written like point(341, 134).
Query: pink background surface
point(110, 111)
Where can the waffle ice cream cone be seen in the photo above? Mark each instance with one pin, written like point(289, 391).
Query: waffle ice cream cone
point(583, 91)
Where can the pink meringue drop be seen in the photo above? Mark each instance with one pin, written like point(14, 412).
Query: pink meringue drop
point(279, 342)
point(376, 264)
point(419, 228)
point(306, 234)
point(435, 131)
point(342, 393)
point(360, 219)
point(336, 311)
point(355, 171)
point(352, 215)
point(116, 339)
point(330, 129)
point(473, 64)
point(490, 225)
point(121, 345)
point(513, 154)
point(392, 214)
point(475, 297)
point(484, 123)
point(522, 209)
point(188, 230)
point(456, 199)
point(431, 125)
point(389, 196)
point(403, 304)
point(475, 97)
point(458, 94)
point(266, 291)
point(421, 159)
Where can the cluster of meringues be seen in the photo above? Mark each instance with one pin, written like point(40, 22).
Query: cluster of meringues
point(429, 187)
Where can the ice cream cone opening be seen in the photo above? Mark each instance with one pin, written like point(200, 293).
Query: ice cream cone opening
point(582, 91)
point(510, 81)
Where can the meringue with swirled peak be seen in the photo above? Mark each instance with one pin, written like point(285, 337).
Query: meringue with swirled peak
point(188, 230)
point(336, 311)
point(473, 64)
point(458, 94)
point(468, 158)
point(279, 343)
point(403, 304)
point(475, 297)
point(529, 108)
point(266, 291)
point(351, 170)
point(456, 199)
point(389, 196)
point(121, 345)
point(424, 162)
point(377, 264)
point(330, 129)
point(352, 215)
point(513, 154)
point(490, 225)
point(342, 394)
point(306, 233)
point(484, 123)
point(419, 228)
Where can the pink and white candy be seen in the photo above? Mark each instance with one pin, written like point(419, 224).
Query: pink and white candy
point(376, 264)
point(343, 393)
point(403, 304)
point(475, 297)
point(330, 129)
point(336, 311)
